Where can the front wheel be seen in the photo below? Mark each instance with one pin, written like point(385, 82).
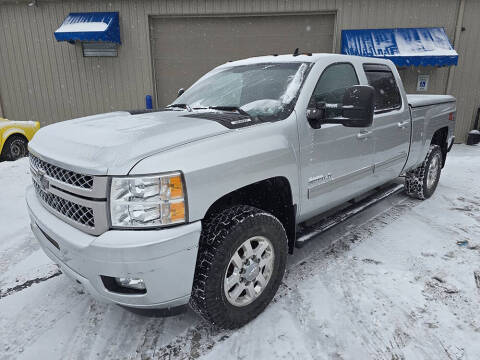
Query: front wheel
point(421, 182)
point(240, 265)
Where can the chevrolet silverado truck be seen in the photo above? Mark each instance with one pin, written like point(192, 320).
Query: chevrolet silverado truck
point(199, 202)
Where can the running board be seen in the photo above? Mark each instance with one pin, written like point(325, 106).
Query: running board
point(309, 232)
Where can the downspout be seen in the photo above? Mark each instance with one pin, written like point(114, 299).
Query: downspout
point(456, 40)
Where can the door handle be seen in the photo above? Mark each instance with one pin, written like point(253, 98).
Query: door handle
point(363, 135)
point(403, 124)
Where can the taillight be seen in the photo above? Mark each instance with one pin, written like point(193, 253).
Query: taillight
point(451, 116)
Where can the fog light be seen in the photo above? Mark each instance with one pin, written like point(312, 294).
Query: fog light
point(131, 283)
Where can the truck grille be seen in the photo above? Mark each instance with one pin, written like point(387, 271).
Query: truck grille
point(80, 214)
point(63, 175)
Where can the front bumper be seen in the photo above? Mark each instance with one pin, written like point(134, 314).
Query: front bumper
point(165, 259)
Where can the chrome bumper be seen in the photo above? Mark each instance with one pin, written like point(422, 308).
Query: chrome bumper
point(165, 259)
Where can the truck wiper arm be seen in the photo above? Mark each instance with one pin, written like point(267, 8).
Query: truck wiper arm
point(230, 108)
point(181, 106)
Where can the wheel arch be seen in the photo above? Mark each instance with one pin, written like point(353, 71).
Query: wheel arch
point(13, 131)
point(273, 195)
point(440, 138)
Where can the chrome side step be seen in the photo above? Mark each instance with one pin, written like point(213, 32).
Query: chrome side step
point(308, 232)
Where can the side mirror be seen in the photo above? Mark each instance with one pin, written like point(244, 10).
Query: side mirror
point(358, 106)
point(180, 91)
point(357, 109)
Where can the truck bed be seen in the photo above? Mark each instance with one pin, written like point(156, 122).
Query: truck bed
point(416, 100)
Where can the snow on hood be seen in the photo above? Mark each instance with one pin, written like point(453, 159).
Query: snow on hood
point(113, 143)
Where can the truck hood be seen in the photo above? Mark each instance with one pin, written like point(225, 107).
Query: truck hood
point(112, 143)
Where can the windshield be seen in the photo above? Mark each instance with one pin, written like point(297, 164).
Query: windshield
point(261, 90)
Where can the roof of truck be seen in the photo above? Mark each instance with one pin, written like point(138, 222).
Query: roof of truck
point(302, 58)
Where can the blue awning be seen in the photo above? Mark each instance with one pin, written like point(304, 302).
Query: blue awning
point(404, 46)
point(90, 26)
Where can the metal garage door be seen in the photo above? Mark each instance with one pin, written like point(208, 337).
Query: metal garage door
point(185, 48)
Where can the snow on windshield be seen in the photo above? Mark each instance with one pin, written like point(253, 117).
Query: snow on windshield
point(262, 90)
point(294, 85)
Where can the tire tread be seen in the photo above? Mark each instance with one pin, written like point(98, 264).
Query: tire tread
point(215, 231)
point(415, 179)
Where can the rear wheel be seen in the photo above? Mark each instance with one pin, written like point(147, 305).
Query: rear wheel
point(421, 182)
point(15, 148)
point(240, 265)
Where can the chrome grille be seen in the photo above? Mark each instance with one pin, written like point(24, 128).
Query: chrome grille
point(63, 175)
point(80, 214)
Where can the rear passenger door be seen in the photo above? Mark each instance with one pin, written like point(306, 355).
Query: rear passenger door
point(391, 123)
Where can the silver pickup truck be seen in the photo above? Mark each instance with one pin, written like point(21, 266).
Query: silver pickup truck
point(200, 201)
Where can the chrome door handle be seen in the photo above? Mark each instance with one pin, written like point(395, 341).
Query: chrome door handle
point(403, 124)
point(362, 135)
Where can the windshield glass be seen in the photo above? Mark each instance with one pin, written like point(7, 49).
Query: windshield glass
point(262, 90)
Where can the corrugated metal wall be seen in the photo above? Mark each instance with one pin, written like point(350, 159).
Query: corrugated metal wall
point(49, 81)
point(45, 80)
point(466, 77)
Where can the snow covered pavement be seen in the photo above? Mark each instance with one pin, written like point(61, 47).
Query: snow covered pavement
point(396, 281)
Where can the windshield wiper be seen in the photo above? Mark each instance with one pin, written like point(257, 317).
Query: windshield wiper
point(181, 106)
point(230, 108)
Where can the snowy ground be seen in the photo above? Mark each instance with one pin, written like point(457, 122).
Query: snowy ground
point(394, 282)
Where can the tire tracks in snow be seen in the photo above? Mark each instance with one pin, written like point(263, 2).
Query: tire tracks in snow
point(154, 338)
point(200, 339)
point(27, 284)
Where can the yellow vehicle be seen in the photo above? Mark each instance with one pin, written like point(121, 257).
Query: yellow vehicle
point(14, 138)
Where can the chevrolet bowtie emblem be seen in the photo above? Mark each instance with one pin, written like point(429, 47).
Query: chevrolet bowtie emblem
point(39, 175)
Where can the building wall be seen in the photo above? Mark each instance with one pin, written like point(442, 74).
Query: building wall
point(466, 76)
point(48, 81)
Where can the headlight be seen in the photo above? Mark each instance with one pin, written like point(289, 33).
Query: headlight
point(147, 201)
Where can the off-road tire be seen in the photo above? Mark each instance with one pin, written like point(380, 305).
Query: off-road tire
point(14, 148)
point(416, 180)
point(221, 236)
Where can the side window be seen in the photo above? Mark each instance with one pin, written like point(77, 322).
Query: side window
point(387, 95)
point(332, 84)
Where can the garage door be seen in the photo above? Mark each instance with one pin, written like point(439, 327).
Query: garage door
point(183, 49)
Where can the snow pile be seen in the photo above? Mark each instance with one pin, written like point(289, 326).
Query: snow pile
point(398, 281)
point(20, 257)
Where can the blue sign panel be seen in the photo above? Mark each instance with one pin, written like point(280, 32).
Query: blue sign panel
point(404, 46)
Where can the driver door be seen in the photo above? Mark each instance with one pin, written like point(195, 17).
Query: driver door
point(336, 161)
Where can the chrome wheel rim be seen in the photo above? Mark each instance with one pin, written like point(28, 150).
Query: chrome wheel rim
point(433, 170)
point(249, 271)
point(17, 149)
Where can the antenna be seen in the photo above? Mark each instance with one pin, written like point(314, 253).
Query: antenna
point(295, 53)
